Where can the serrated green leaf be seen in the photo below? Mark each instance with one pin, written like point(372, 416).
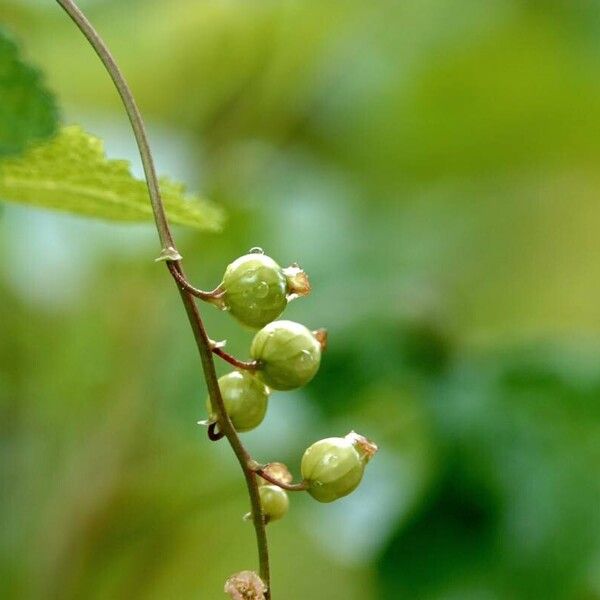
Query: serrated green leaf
point(71, 173)
point(27, 109)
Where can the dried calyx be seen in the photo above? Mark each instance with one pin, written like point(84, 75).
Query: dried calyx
point(365, 447)
point(297, 282)
point(245, 585)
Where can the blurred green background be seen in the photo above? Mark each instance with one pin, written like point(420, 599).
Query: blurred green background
point(434, 167)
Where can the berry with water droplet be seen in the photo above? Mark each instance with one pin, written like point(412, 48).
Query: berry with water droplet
point(289, 354)
point(256, 289)
point(274, 502)
point(245, 398)
point(334, 467)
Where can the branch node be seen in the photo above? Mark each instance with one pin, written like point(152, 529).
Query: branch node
point(169, 254)
point(214, 345)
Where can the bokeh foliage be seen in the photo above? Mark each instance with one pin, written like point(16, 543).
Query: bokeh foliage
point(28, 112)
point(433, 167)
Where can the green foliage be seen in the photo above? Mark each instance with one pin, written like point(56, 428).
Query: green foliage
point(513, 513)
point(27, 109)
point(71, 173)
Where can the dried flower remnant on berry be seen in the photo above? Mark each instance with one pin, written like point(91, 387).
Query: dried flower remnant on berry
point(297, 280)
point(321, 337)
point(364, 446)
point(245, 585)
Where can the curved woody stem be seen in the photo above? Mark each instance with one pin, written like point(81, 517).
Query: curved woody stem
point(171, 256)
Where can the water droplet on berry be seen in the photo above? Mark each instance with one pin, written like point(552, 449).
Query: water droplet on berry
point(262, 289)
point(304, 356)
point(256, 250)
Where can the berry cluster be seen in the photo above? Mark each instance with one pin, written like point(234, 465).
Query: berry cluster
point(285, 356)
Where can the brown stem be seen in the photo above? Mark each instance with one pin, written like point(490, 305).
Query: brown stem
point(291, 487)
point(252, 365)
point(170, 253)
point(186, 285)
point(204, 348)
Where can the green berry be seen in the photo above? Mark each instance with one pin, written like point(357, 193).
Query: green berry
point(245, 398)
point(334, 467)
point(274, 501)
point(289, 354)
point(256, 289)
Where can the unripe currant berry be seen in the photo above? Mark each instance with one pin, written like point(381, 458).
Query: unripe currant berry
point(256, 289)
point(274, 502)
point(289, 354)
point(334, 467)
point(245, 398)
